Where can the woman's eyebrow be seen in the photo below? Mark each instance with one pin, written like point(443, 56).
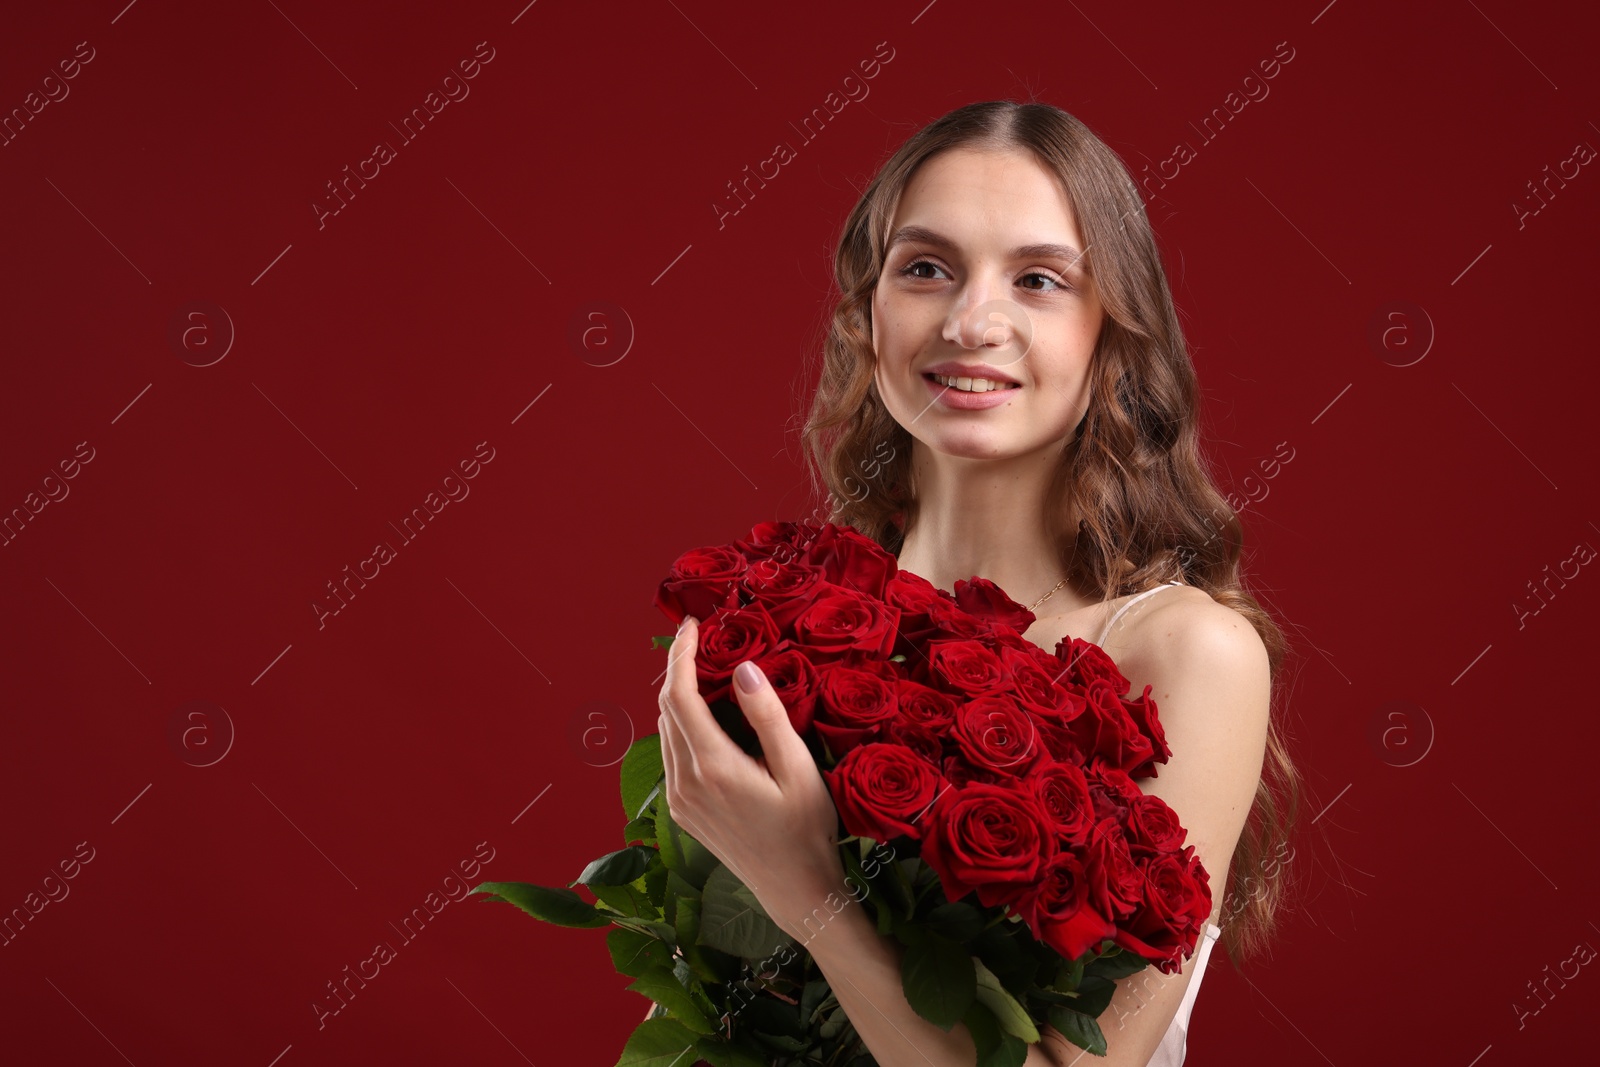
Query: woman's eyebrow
point(923, 235)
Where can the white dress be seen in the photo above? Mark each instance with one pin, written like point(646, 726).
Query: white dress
point(1175, 1042)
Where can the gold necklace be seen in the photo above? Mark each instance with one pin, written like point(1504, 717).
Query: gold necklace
point(1048, 595)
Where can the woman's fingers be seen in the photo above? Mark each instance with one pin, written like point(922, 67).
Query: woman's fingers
point(703, 739)
point(669, 758)
point(785, 756)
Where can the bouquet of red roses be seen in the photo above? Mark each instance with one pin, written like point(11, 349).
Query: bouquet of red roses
point(986, 788)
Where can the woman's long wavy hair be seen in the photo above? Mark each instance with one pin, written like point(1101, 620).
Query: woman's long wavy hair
point(1133, 473)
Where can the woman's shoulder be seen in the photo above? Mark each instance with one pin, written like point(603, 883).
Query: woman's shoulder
point(1185, 623)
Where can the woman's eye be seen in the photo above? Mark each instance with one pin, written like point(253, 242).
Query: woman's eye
point(910, 270)
point(1052, 280)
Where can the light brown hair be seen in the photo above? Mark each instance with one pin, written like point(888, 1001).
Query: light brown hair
point(1134, 473)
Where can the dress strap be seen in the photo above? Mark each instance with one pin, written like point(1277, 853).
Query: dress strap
point(1130, 603)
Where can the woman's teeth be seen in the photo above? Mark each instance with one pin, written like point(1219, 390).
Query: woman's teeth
point(973, 385)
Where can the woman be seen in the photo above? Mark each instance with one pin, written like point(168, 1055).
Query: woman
point(1006, 393)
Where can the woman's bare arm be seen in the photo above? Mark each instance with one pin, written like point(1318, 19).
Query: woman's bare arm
point(863, 970)
point(1210, 680)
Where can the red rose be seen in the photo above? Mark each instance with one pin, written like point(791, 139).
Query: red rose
point(725, 639)
point(918, 737)
point(1177, 902)
point(1106, 729)
point(916, 597)
point(951, 623)
point(774, 545)
point(1058, 909)
point(913, 594)
point(854, 704)
point(1036, 678)
point(769, 538)
point(1112, 790)
point(840, 622)
point(849, 559)
point(794, 679)
point(987, 838)
point(1116, 885)
point(925, 706)
point(991, 731)
point(1153, 825)
point(983, 598)
point(1142, 711)
point(1089, 661)
point(958, 770)
point(785, 590)
point(1063, 791)
point(702, 580)
point(1059, 732)
point(883, 791)
point(965, 666)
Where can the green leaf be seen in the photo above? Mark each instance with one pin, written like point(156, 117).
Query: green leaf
point(616, 868)
point(662, 642)
point(722, 1054)
point(662, 930)
point(687, 920)
point(810, 998)
point(1070, 973)
point(1118, 965)
point(712, 966)
point(1082, 1030)
point(957, 920)
point(680, 851)
point(996, 1048)
point(901, 889)
point(985, 1031)
point(780, 1043)
point(1013, 1019)
point(658, 1042)
point(662, 986)
point(633, 953)
point(641, 770)
point(1094, 994)
point(732, 920)
point(562, 907)
point(686, 976)
point(939, 979)
point(679, 887)
point(654, 882)
point(1001, 951)
point(627, 900)
point(642, 829)
point(771, 1016)
point(886, 918)
point(1013, 1052)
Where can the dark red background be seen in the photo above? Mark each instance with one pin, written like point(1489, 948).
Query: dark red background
point(373, 354)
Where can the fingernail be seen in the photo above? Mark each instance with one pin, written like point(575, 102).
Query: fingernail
point(684, 623)
point(748, 675)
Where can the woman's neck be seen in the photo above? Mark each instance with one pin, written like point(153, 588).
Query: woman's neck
point(979, 519)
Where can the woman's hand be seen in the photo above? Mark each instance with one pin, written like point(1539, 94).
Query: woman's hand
point(770, 820)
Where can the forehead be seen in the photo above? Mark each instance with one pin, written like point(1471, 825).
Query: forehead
point(986, 198)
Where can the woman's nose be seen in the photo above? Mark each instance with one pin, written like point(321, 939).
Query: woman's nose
point(982, 321)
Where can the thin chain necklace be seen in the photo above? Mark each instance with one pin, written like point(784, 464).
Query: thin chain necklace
point(1048, 595)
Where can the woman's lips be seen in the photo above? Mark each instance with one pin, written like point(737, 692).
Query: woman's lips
point(951, 397)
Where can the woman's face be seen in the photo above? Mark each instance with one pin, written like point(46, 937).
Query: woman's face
point(983, 270)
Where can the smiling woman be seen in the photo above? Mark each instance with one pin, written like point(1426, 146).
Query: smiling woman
point(1006, 333)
